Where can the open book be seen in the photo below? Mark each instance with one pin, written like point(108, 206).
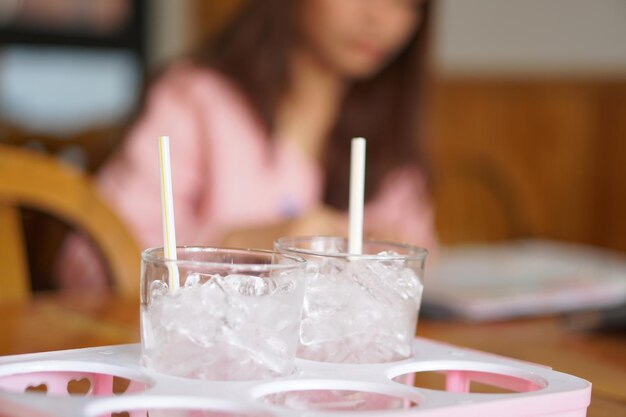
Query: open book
point(523, 278)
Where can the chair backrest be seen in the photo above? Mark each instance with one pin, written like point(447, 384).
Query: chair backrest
point(29, 179)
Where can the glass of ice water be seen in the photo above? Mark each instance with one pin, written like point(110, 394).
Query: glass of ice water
point(358, 308)
point(234, 316)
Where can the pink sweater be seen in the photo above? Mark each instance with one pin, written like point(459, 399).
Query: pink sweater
point(222, 177)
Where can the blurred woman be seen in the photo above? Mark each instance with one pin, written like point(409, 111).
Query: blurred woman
point(260, 125)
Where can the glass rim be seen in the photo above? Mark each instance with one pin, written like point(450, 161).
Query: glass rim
point(415, 253)
point(148, 255)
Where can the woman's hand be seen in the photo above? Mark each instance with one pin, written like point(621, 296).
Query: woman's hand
point(321, 221)
point(318, 221)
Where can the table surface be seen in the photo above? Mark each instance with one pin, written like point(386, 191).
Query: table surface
point(75, 320)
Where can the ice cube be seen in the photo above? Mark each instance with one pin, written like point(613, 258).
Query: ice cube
point(370, 277)
point(247, 285)
point(408, 284)
point(192, 280)
point(158, 289)
point(382, 347)
point(195, 312)
point(330, 269)
point(391, 260)
point(335, 311)
point(320, 327)
point(262, 348)
point(197, 278)
point(385, 281)
point(286, 282)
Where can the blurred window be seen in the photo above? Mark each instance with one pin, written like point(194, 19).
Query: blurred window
point(56, 90)
point(70, 65)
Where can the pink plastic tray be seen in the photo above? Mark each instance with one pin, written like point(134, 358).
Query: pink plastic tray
point(538, 390)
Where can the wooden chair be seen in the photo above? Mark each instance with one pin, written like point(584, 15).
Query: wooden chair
point(28, 179)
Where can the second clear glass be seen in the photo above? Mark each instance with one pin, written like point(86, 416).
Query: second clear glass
point(358, 308)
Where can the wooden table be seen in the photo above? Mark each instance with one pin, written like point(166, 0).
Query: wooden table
point(74, 320)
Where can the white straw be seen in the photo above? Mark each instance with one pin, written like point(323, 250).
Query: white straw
point(357, 190)
point(167, 210)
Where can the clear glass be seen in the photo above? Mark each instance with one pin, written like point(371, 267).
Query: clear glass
point(235, 316)
point(358, 308)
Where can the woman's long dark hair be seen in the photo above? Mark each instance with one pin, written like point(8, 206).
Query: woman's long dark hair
point(254, 52)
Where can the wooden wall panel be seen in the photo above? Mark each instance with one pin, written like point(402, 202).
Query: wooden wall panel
point(550, 155)
point(610, 210)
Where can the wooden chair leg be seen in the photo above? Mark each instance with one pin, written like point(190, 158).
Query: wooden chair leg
point(14, 279)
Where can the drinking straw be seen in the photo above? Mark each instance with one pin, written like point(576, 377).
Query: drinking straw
point(167, 211)
point(357, 189)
